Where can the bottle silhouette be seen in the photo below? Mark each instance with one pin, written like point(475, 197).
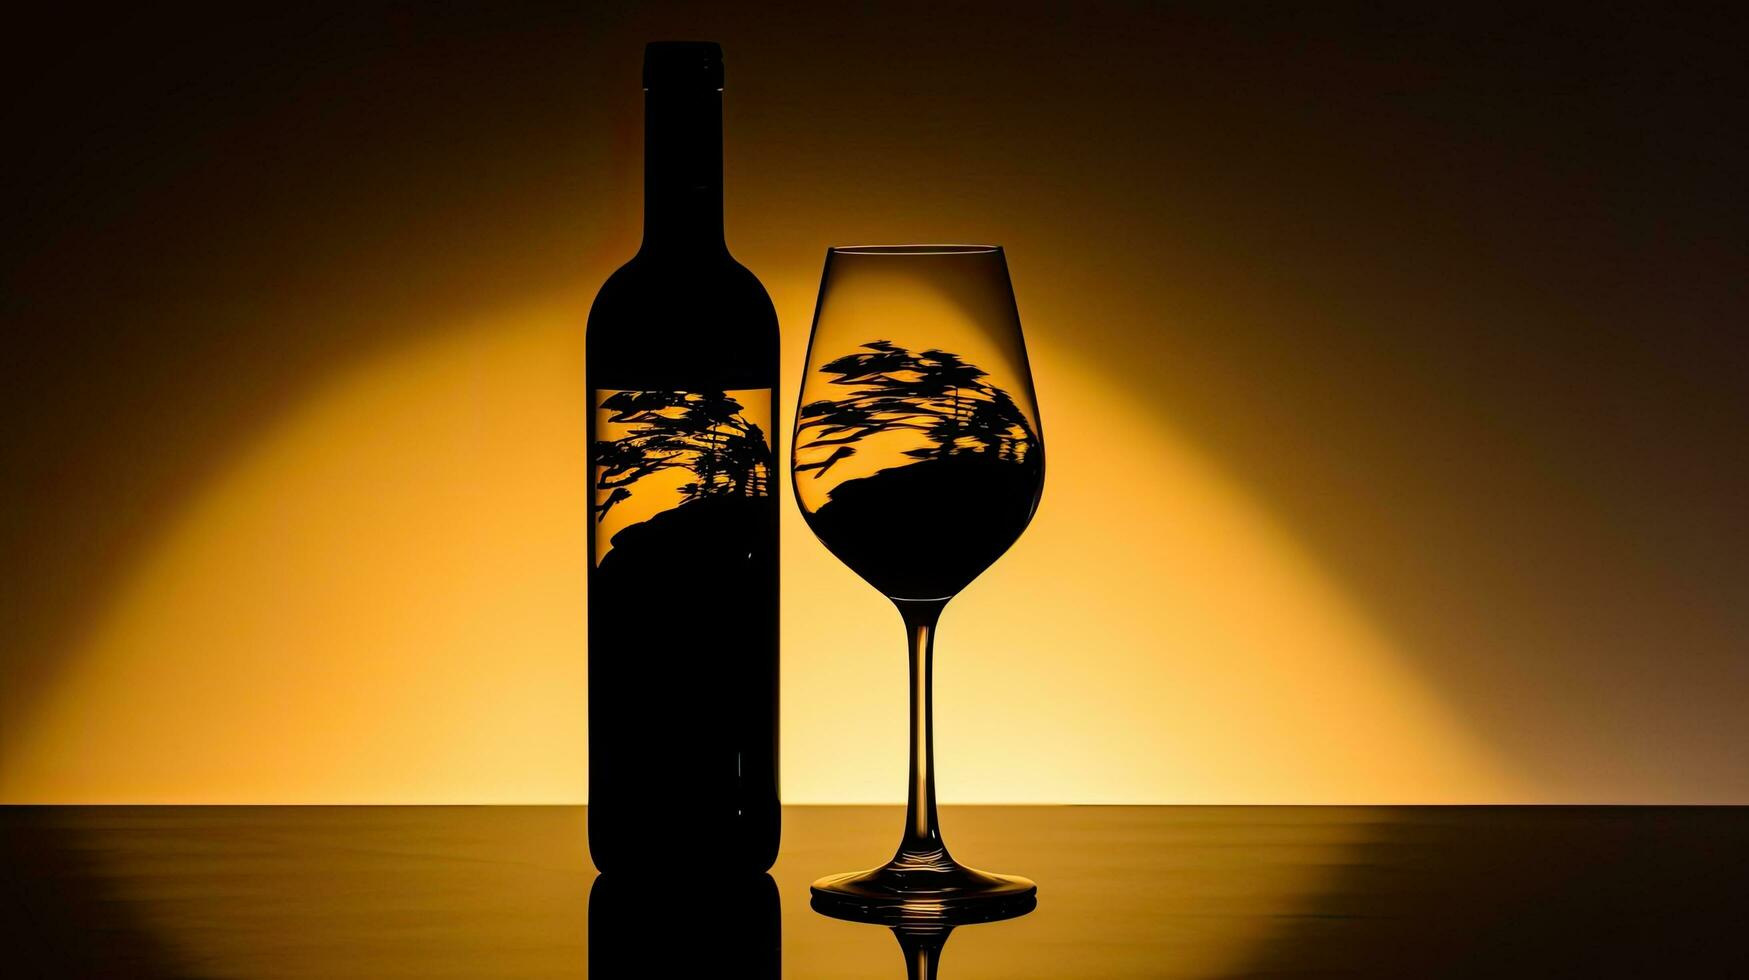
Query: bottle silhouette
point(682, 352)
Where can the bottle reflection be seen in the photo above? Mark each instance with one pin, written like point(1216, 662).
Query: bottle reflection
point(641, 928)
point(922, 930)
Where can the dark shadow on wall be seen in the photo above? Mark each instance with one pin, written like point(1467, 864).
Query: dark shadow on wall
point(218, 207)
point(1457, 296)
point(1527, 892)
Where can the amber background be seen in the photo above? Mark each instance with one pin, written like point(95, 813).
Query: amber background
point(1391, 366)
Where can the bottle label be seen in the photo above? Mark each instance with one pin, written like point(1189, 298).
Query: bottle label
point(683, 613)
point(679, 473)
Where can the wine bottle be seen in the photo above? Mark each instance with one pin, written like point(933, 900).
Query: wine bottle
point(681, 364)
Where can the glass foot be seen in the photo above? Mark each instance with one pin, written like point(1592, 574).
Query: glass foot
point(924, 884)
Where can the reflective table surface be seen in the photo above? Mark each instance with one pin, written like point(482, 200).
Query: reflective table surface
point(1215, 892)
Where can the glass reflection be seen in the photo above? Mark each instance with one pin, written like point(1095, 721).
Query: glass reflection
point(639, 928)
point(922, 931)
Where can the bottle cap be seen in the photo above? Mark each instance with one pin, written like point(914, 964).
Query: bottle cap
point(680, 65)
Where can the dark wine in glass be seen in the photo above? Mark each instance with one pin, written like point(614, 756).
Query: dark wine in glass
point(918, 462)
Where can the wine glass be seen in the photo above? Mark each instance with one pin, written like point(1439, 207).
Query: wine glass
point(918, 461)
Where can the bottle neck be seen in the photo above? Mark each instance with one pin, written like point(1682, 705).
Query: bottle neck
point(683, 170)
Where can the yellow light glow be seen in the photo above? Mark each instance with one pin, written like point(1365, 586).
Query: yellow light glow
point(383, 601)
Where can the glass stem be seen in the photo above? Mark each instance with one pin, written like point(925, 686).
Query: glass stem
point(920, 965)
point(922, 832)
point(922, 952)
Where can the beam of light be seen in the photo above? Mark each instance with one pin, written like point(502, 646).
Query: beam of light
point(382, 600)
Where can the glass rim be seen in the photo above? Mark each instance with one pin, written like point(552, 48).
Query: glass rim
point(876, 250)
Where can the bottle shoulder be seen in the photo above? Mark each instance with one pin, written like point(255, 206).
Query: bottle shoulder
point(648, 285)
point(696, 316)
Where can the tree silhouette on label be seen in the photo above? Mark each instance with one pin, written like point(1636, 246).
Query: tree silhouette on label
point(965, 474)
point(704, 436)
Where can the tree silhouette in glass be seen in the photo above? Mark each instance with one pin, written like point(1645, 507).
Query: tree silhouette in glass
point(935, 393)
point(950, 505)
